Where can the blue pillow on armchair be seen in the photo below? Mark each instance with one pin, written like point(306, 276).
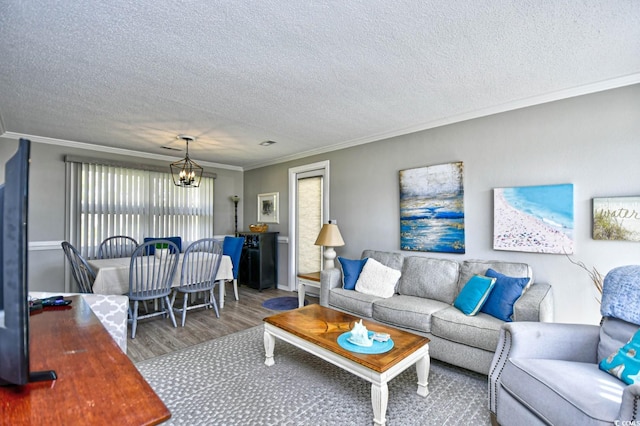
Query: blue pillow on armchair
point(176, 240)
point(625, 363)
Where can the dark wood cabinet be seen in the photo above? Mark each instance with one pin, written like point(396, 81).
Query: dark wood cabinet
point(259, 261)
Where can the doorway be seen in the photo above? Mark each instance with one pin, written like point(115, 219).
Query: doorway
point(308, 210)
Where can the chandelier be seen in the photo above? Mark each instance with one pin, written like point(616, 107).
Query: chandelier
point(186, 173)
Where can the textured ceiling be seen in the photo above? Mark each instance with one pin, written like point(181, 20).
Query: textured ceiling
point(309, 75)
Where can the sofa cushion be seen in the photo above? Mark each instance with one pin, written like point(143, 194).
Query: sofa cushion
point(474, 293)
point(409, 312)
point(429, 278)
point(479, 331)
point(359, 304)
point(377, 279)
point(387, 258)
point(614, 333)
point(350, 271)
point(505, 293)
point(562, 392)
point(469, 268)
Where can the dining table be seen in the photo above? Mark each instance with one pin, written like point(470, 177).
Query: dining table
point(112, 275)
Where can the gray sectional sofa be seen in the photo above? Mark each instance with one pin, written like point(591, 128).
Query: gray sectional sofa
point(423, 300)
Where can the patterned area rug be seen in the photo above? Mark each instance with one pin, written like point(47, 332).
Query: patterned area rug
point(225, 382)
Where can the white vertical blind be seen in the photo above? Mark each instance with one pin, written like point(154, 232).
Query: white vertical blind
point(110, 200)
point(309, 223)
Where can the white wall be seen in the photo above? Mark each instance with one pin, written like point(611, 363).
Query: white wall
point(590, 141)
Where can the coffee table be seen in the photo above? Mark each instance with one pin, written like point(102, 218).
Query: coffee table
point(315, 329)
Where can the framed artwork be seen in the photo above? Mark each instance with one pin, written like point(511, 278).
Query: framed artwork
point(268, 207)
point(432, 208)
point(616, 218)
point(536, 219)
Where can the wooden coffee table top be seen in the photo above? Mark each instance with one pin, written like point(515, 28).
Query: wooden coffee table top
point(322, 326)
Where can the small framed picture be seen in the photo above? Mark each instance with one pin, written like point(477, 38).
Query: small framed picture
point(268, 207)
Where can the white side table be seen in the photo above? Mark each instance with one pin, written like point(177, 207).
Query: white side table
point(311, 279)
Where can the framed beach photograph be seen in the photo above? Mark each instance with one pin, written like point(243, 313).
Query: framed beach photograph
point(616, 218)
point(268, 207)
point(432, 208)
point(535, 219)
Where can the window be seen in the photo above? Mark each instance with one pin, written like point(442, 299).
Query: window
point(108, 200)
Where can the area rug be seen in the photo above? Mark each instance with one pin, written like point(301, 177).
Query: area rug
point(282, 303)
point(225, 382)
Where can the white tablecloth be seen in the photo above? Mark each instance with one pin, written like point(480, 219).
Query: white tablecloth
point(112, 275)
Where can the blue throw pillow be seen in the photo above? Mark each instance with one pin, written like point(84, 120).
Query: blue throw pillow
point(625, 363)
point(474, 294)
point(507, 290)
point(351, 271)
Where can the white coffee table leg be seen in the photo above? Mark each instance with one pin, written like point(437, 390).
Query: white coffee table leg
point(422, 366)
point(269, 343)
point(379, 400)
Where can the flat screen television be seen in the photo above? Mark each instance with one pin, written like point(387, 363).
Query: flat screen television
point(14, 304)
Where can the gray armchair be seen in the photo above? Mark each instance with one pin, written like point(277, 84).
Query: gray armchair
point(547, 373)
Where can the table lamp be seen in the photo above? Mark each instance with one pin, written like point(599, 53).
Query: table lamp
point(329, 237)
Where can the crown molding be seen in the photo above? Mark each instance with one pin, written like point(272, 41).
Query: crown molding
point(601, 86)
point(587, 89)
point(109, 150)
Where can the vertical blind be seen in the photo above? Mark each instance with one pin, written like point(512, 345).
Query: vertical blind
point(107, 200)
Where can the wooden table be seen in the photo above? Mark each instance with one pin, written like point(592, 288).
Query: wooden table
point(97, 384)
point(315, 329)
point(112, 275)
point(311, 279)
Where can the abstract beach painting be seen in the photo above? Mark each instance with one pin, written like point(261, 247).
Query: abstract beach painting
point(432, 209)
point(616, 218)
point(536, 219)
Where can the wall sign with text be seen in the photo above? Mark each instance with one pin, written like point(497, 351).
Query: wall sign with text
point(616, 218)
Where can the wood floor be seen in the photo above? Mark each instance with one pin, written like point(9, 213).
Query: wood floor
point(157, 336)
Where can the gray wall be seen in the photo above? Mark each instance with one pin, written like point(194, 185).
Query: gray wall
point(47, 205)
point(590, 141)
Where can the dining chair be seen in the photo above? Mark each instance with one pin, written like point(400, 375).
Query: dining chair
point(82, 272)
point(150, 278)
point(232, 247)
point(200, 264)
point(117, 246)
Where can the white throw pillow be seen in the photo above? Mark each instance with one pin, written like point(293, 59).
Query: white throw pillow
point(377, 279)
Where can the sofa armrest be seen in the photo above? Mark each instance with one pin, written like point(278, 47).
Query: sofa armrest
point(629, 407)
point(536, 304)
point(329, 278)
point(570, 342)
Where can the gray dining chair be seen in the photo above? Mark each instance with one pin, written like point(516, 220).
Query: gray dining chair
point(117, 246)
point(80, 269)
point(200, 264)
point(150, 278)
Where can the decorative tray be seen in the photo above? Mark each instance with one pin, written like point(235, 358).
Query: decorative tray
point(376, 348)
